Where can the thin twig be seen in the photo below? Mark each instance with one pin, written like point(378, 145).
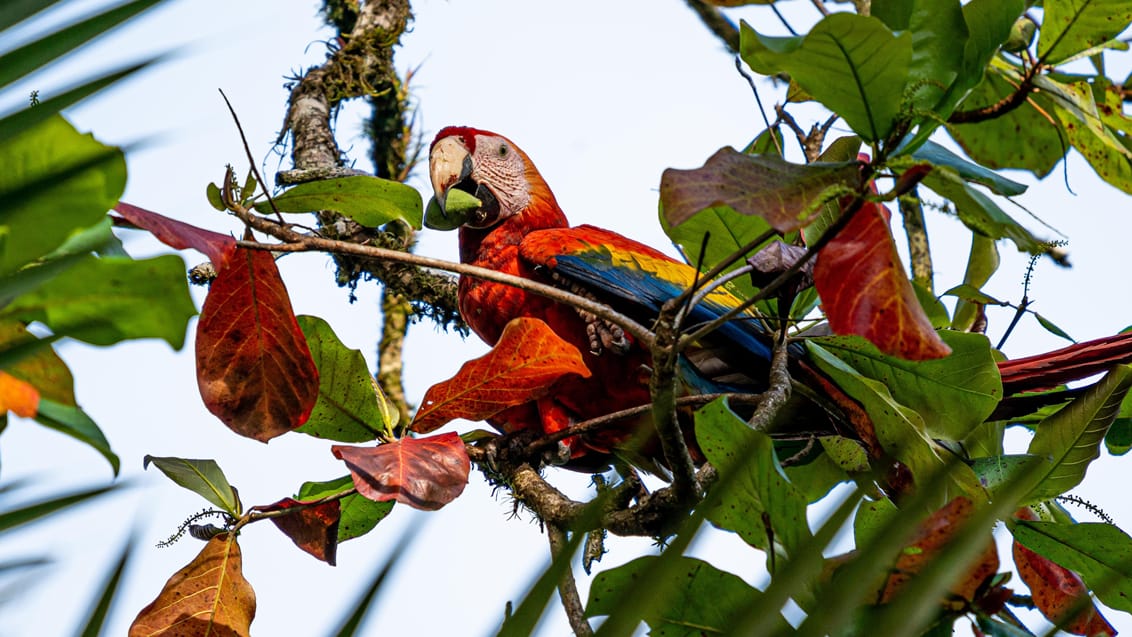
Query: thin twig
point(759, 102)
point(820, 7)
point(567, 587)
point(717, 23)
point(251, 160)
point(254, 515)
point(296, 242)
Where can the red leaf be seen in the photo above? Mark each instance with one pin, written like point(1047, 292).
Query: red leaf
point(526, 362)
point(864, 290)
point(17, 396)
point(253, 365)
point(208, 597)
point(1055, 590)
point(931, 537)
point(313, 529)
point(424, 473)
point(176, 234)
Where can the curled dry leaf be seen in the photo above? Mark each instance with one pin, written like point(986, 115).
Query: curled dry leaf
point(424, 473)
point(865, 291)
point(209, 597)
point(254, 367)
point(177, 234)
point(312, 528)
point(523, 366)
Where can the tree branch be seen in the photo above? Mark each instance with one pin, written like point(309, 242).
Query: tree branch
point(717, 23)
point(568, 587)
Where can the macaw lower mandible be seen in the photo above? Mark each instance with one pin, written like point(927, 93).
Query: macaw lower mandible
point(517, 227)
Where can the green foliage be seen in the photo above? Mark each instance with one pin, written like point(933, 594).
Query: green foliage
point(359, 515)
point(1100, 553)
point(371, 201)
point(202, 477)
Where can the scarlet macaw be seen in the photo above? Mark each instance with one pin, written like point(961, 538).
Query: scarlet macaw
point(519, 229)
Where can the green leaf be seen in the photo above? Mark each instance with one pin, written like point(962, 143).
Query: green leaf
point(871, 517)
point(982, 262)
point(359, 515)
point(1118, 440)
point(996, 471)
point(1075, 110)
point(937, 155)
point(760, 503)
point(900, 430)
point(14, 11)
point(34, 55)
point(701, 599)
point(348, 408)
point(371, 201)
point(852, 64)
point(1053, 329)
point(1072, 26)
point(46, 200)
point(938, 28)
point(1100, 553)
point(96, 616)
point(215, 198)
point(952, 395)
point(74, 422)
point(933, 307)
point(202, 477)
point(26, 514)
point(816, 478)
point(1071, 438)
point(995, 143)
point(104, 301)
point(979, 213)
point(350, 624)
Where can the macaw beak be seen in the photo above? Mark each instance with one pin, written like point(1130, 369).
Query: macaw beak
point(449, 163)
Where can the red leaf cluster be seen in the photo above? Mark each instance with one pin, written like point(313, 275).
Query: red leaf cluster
point(424, 473)
point(865, 291)
point(523, 366)
point(254, 368)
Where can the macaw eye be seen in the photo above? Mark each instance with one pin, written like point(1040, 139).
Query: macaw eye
point(503, 150)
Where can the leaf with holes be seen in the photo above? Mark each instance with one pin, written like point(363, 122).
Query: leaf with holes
point(865, 291)
point(209, 596)
point(254, 368)
point(787, 195)
point(312, 528)
point(523, 366)
point(424, 473)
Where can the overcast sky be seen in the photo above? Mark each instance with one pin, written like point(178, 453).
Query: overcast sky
point(603, 96)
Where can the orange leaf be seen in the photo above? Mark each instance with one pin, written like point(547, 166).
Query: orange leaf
point(864, 290)
point(254, 368)
point(43, 368)
point(208, 597)
point(313, 529)
point(424, 473)
point(1056, 589)
point(17, 396)
point(931, 537)
point(526, 362)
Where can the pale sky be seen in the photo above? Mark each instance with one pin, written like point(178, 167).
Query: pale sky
point(603, 96)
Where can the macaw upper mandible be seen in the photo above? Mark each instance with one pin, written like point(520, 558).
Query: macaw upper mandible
point(519, 228)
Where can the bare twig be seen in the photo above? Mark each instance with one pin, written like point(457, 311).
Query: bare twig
point(567, 587)
point(717, 23)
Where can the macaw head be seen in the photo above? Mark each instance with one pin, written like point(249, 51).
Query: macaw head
point(479, 179)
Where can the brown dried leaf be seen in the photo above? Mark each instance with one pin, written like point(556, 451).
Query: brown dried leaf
point(526, 362)
point(424, 473)
point(207, 598)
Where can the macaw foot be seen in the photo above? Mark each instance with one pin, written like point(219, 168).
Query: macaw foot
point(603, 335)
